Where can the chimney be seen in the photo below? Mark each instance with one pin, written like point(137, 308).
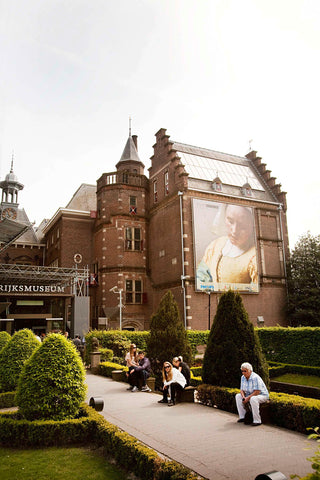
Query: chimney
point(135, 141)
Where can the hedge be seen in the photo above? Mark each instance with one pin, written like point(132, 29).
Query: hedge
point(286, 345)
point(287, 411)
point(106, 369)
point(92, 428)
point(291, 345)
point(7, 399)
point(276, 369)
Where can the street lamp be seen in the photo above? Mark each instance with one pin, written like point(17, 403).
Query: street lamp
point(119, 291)
point(208, 291)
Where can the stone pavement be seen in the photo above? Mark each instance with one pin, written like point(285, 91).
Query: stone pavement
point(207, 440)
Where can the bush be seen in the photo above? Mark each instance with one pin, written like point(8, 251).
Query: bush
point(52, 385)
point(4, 339)
point(106, 354)
point(231, 342)
point(168, 337)
point(13, 357)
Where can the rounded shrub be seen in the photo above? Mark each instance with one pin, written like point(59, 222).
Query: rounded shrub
point(4, 339)
point(13, 357)
point(52, 383)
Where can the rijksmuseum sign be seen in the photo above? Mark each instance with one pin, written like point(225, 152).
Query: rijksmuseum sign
point(11, 288)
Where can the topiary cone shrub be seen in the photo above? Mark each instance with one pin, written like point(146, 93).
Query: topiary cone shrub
point(232, 341)
point(168, 337)
point(13, 357)
point(52, 383)
point(4, 339)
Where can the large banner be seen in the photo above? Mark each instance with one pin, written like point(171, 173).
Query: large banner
point(225, 247)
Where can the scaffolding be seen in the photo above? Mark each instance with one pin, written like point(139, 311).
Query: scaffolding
point(75, 278)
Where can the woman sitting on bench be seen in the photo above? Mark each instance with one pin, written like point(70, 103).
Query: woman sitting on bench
point(173, 380)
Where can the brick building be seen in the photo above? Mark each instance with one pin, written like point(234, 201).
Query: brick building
point(200, 223)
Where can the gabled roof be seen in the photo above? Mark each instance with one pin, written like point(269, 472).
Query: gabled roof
point(206, 164)
point(84, 198)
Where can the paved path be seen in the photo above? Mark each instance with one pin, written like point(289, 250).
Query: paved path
point(207, 440)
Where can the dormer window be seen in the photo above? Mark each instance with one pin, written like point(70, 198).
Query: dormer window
point(217, 185)
point(246, 190)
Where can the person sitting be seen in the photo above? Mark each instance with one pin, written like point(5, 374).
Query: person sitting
point(140, 373)
point(131, 359)
point(173, 381)
point(183, 367)
point(253, 391)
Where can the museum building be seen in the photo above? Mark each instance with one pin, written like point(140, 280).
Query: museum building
point(201, 222)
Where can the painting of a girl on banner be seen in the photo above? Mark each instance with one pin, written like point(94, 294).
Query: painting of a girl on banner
point(225, 247)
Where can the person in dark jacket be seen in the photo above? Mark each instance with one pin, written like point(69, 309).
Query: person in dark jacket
point(183, 367)
point(140, 374)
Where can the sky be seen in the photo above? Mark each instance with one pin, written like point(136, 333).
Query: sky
point(227, 75)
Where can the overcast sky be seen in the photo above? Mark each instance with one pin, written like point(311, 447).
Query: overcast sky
point(214, 73)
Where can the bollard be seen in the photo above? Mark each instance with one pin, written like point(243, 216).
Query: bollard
point(274, 475)
point(96, 403)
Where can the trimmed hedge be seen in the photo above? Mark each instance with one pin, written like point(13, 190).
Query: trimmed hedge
point(14, 355)
point(291, 345)
point(52, 382)
point(7, 400)
point(15, 431)
point(106, 369)
point(5, 337)
point(91, 428)
point(279, 344)
point(276, 369)
point(288, 411)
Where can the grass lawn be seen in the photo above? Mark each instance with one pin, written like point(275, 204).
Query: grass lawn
point(56, 463)
point(307, 380)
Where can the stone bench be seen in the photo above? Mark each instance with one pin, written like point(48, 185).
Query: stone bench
point(186, 395)
point(118, 375)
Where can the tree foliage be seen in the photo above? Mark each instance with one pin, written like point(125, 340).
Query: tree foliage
point(304, 282)
point(13, 357)
point(232, 341)
point(52, 383)
point(168, 337)
point(4, 339)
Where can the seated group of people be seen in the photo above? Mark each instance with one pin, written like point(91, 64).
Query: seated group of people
point(139, 369)
point(176, 376)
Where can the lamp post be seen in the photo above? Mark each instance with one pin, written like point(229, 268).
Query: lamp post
point(209, 306)
point(119, 291)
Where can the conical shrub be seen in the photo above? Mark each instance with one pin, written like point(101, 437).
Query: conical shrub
point(168, 337)
point(52, 383)
point(4, 339)
point(13, 357)
point(232, 341)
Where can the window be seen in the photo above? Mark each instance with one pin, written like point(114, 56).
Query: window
point(155, 191)
point(125, 177)
point(133, 239)
point(133, 291)
point(133, 201)
point(166, 183)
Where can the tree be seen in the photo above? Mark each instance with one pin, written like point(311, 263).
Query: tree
point(168, 337)
point(304, 282)
point(14, 355)
point(52, 383)
point(231, 342)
